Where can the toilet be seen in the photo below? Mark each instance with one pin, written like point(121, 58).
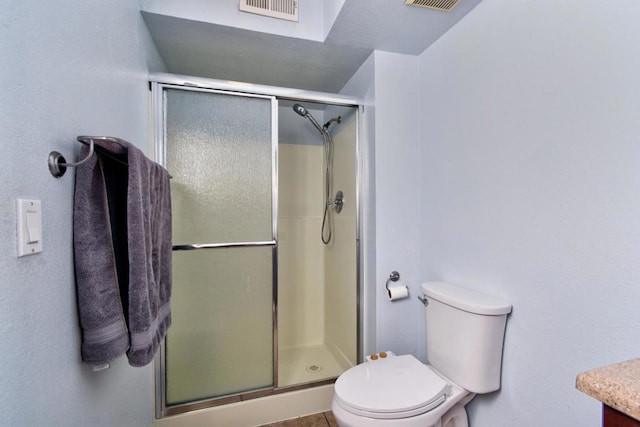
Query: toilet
point(464, 335)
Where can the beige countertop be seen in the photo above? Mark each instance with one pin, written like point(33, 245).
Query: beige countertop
point(615, 385)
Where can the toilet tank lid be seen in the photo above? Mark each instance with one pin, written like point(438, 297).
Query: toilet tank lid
point(465, 299)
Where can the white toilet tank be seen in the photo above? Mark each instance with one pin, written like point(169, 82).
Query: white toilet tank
point(465, 335)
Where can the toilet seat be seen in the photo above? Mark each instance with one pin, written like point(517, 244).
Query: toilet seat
point(396, 387)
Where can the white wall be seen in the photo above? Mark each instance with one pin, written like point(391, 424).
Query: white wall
point(68, 68)
point(530, 187)
point(397, 165)
point(362, 84)
point(390, 148)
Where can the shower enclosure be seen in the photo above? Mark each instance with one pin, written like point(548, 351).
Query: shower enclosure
point(260, 304)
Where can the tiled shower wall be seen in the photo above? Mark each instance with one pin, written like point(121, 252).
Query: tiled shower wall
point(317, 297)
point(300, 250)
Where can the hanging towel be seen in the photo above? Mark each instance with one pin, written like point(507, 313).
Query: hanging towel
point(122, 247)
point(149, 232)
point(104, 330)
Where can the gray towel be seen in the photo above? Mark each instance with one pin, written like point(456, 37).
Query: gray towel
point(122, 246)
point(104, 331)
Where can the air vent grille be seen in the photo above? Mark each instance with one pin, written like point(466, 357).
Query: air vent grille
point(281, 9)
point(445, 5)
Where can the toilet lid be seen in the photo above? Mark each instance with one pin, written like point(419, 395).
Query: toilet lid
point(395, 385)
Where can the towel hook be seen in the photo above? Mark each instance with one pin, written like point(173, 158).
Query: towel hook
point(393, 277)
point(58, 164)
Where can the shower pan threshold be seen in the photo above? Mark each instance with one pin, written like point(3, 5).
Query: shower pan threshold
point(306, 364)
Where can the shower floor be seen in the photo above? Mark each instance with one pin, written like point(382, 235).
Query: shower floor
point(303, 364)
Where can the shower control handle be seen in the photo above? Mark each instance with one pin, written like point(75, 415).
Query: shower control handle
point(338, 202)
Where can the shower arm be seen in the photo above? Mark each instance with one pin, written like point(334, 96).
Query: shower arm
point(338, 119)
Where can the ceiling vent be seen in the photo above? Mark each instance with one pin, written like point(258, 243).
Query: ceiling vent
point(281, 9)
point(444, 5)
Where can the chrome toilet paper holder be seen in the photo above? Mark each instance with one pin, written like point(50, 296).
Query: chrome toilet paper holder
point(396, 292)
point(393, 277)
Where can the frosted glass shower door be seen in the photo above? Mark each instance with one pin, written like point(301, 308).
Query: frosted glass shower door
point(219, 151)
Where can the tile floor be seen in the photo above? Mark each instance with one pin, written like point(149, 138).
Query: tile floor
point(324, 419)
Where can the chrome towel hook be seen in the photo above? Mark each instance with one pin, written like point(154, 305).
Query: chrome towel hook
point(58, 164)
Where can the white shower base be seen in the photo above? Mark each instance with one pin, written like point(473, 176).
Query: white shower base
point(256, 412)
point(299, 364)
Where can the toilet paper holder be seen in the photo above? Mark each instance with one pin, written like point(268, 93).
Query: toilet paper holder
point(393, 277)
point(396, 292)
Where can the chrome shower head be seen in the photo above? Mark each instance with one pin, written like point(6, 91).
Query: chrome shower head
point(300, 110)
point(304, 113)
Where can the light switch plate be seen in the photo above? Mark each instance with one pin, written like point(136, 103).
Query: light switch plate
point(29, 226)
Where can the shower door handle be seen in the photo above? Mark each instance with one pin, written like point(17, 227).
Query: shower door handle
point(222, 245)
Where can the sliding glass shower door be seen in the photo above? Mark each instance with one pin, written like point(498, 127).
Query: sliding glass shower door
point(220, 151)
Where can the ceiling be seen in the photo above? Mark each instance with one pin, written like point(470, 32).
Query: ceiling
point(212, 49)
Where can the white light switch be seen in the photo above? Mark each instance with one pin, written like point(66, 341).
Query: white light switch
point(29, 227)
point(34, 222)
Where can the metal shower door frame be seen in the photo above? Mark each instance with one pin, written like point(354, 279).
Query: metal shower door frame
point(160, 153)
point(158, 85)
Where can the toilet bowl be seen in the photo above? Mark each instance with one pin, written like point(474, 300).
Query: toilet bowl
point(465, 336)
point(455, 417)
point(397, 391)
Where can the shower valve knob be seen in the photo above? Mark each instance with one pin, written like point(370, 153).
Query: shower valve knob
point(338, 202)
